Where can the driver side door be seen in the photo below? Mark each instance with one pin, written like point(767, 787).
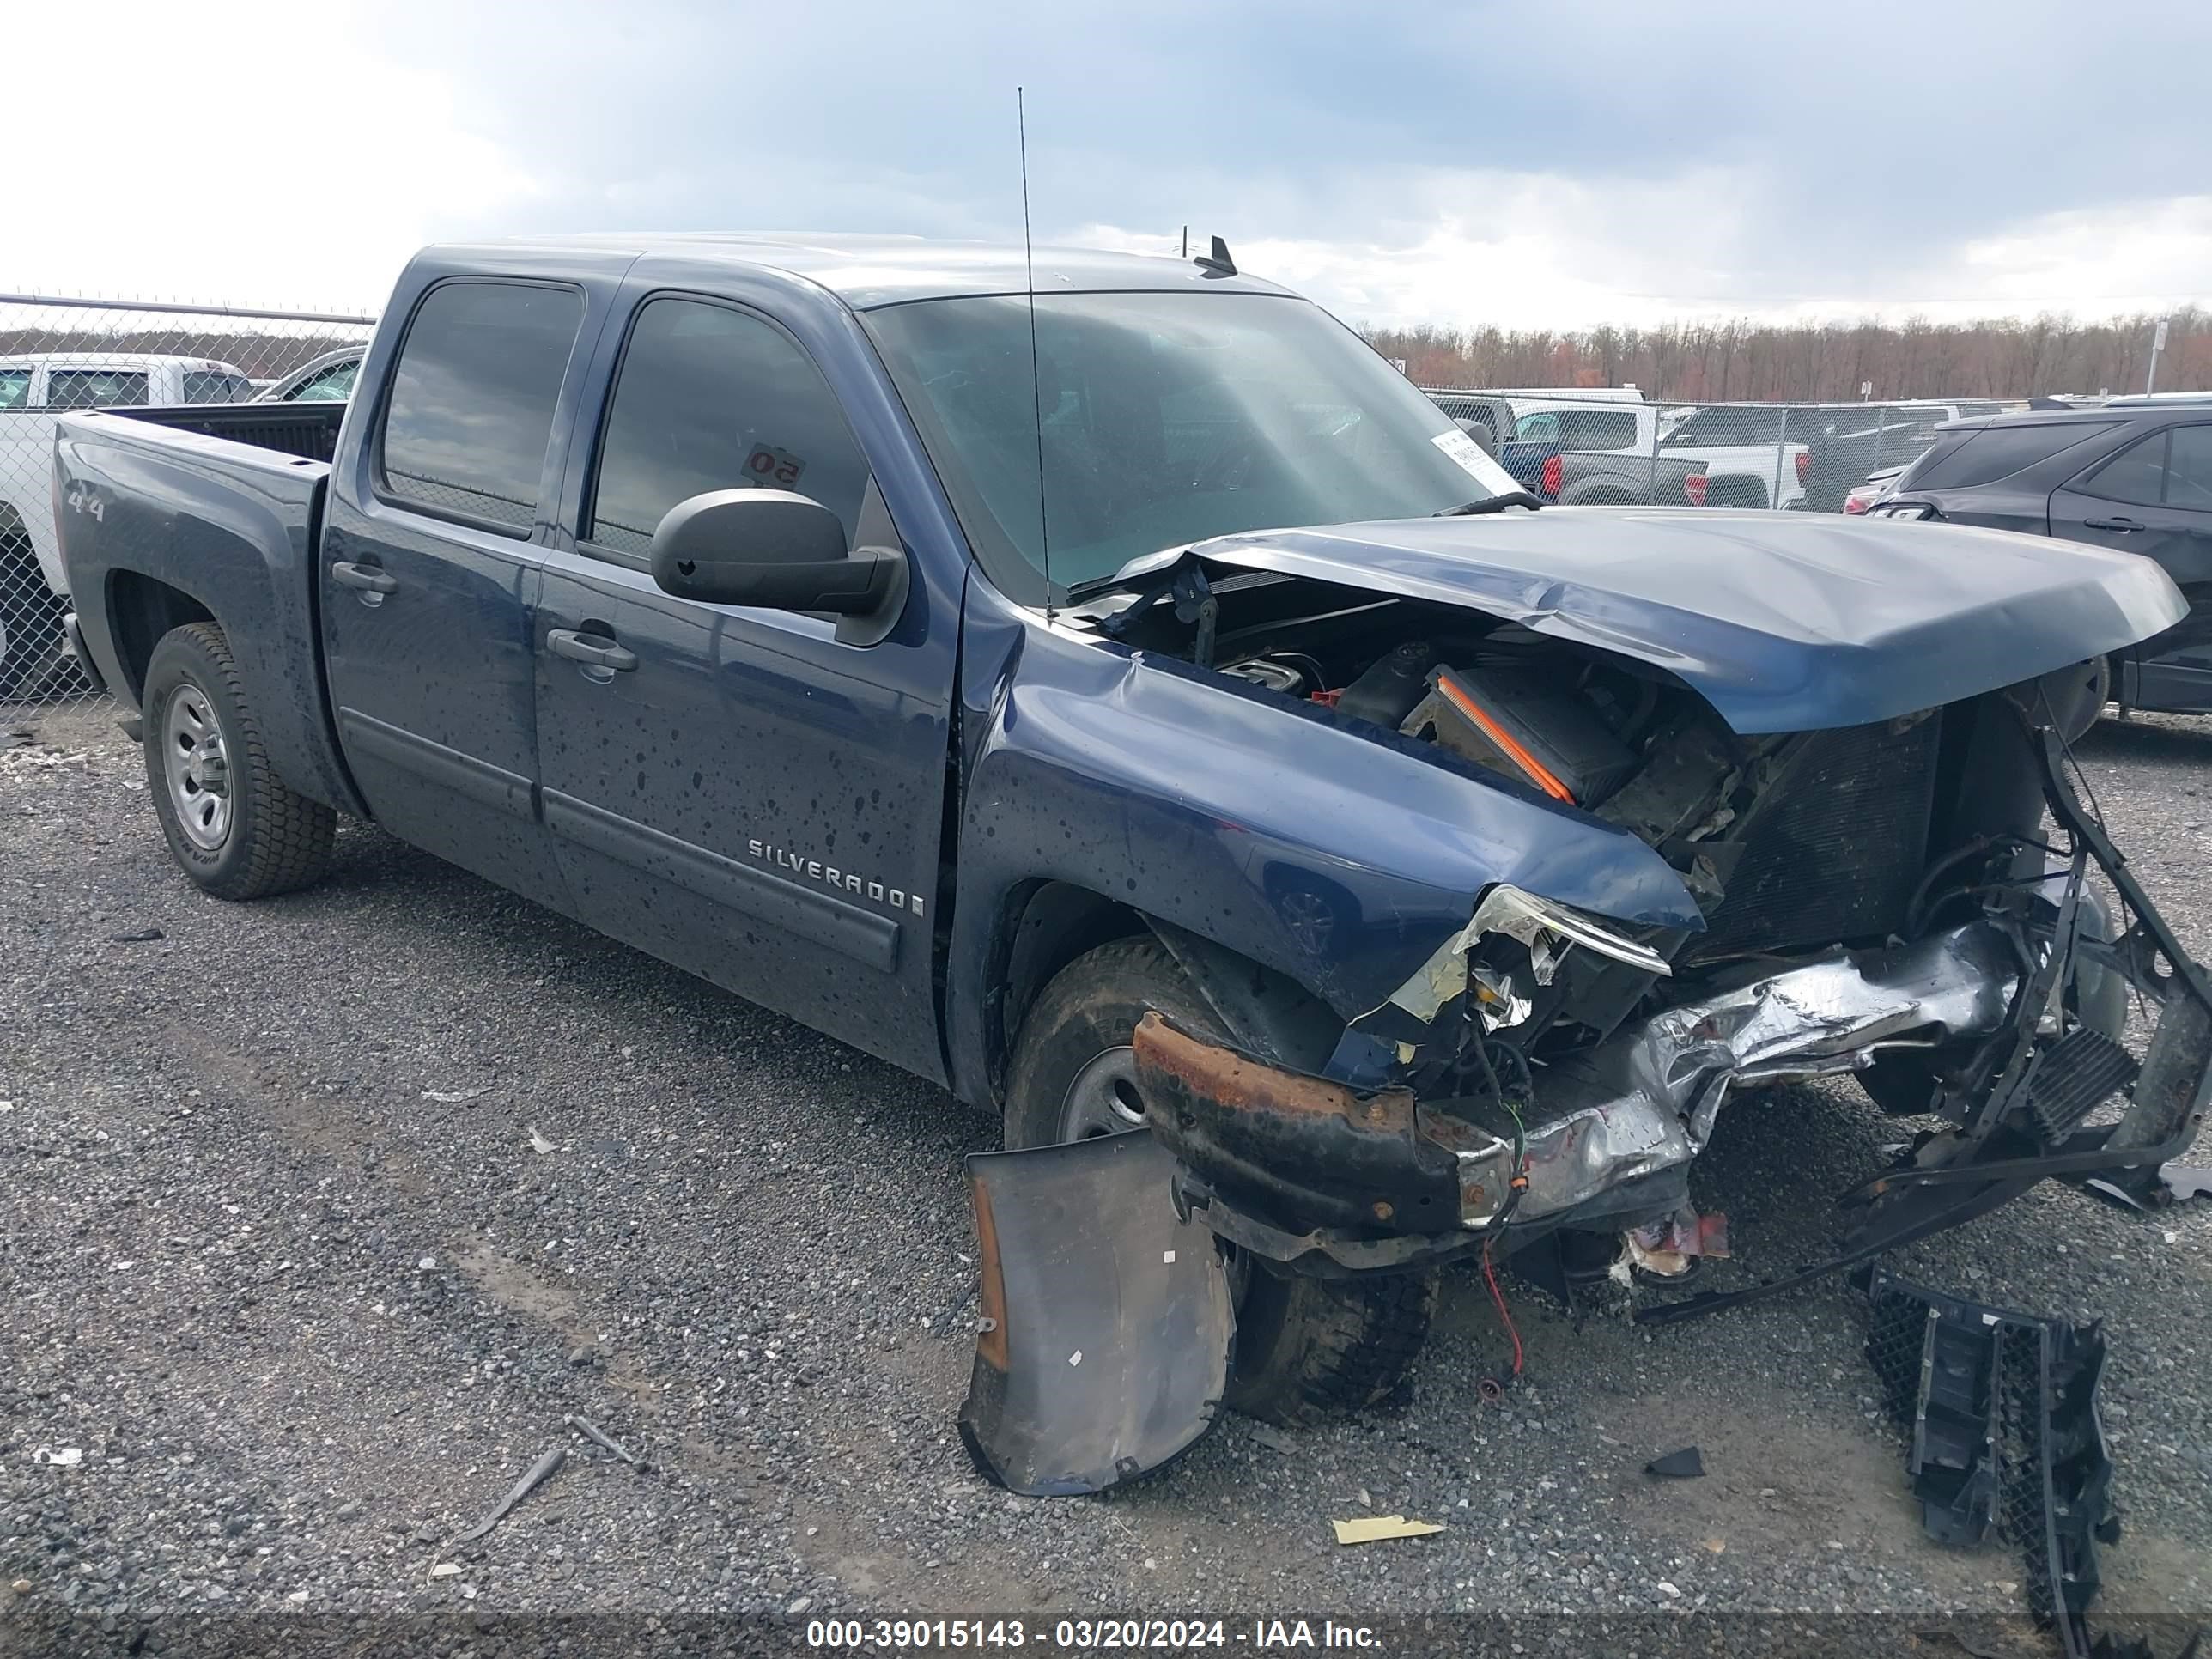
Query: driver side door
point(733, 789)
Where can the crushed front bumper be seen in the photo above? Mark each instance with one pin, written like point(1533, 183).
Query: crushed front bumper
point(1324, 1177)
point(1290, 1165)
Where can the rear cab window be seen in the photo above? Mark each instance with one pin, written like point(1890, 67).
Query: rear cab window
point(210, 385)
point(711, 397)
point(471, 404)
point(95, 388)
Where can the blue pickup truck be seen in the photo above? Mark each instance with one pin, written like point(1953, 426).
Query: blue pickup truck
point(1121, 698)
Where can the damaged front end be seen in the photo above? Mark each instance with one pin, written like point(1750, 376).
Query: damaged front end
point(1915, 901)
point(1447, 1129)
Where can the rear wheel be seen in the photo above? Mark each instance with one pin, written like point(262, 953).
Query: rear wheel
point(1305, 1347)
point(232, 825)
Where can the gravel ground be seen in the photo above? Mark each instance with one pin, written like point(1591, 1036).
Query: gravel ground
point(320, 1213)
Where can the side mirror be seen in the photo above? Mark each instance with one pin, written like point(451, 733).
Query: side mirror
point(780, 551)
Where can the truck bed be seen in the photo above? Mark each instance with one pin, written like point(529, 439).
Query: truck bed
point(308, 431)
point(215, 509)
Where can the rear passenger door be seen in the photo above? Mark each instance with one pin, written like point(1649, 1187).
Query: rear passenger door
point(736, 790)
point(429, 566)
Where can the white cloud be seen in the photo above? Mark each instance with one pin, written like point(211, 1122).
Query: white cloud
point(1545, 252)
point(269, 155)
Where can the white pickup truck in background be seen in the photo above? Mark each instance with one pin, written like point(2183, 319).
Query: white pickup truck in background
point(35, 387)
point(1750, 451)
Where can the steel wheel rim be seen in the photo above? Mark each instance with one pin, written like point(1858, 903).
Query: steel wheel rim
point(1102, 1098)
point(197, 767)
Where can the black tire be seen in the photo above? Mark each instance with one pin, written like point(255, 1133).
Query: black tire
point(271, 841)
point(1306, 1348)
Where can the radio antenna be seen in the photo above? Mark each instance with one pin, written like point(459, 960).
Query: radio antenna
point(1036, 380)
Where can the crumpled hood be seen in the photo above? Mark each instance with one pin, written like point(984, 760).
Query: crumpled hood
point(1784, 622)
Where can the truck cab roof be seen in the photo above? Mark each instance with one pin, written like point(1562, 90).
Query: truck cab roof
point(873, 271)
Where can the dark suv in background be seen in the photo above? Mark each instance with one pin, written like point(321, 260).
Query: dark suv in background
point(2137, 477)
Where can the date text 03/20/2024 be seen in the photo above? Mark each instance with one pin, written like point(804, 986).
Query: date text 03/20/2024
point(1085, 1634)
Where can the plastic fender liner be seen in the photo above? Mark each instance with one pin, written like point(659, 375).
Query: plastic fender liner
point(1102, 1346)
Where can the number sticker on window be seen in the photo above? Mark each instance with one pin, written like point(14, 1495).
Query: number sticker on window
point(770, 468)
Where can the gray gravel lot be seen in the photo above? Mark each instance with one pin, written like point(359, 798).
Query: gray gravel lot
point(308, 1320)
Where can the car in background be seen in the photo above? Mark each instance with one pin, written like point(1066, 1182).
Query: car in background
point(1484, 416)
point(2135, 475)
point(1753, 452)
point(325, 380)
point(34, 387)
point(1856, 441)
point(1591, 455)
point(1876, 487)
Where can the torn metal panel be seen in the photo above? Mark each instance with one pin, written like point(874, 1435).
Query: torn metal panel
point(1106, 1321)
point(1646, 1099)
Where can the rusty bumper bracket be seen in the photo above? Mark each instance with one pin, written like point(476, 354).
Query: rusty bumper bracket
point(1307, 1164)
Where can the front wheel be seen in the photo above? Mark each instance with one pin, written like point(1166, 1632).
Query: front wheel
point(231, 824)
point(1306, 1348)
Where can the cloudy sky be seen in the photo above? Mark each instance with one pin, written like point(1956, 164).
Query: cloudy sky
point(1547, 163)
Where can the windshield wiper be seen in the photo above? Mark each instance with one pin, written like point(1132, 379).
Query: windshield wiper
point(1490, 504)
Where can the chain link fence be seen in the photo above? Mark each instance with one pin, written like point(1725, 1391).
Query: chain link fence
point(1597, 448)
point(62, 355)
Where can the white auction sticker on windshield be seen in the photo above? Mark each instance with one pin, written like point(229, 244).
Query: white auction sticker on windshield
point(1473, 462)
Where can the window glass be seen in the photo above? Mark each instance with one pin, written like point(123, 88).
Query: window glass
point(1164, 418)
point(1723, 424)
point(711, 398)
point(2189, 468)
point(1538, 429)
point(333, 385)
point(14, 388)
point(1597, 429)
point(472, 397)
point(2136, 474)
point(94, 388)
point(210, 385)
point(1998, 451)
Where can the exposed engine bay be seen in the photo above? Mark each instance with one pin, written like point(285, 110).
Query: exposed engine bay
point(1884, 901)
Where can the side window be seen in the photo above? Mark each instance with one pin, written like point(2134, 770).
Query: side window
point(333, 385)
point(2136, 474)
point(14, 388)
point(2189, 468)
point(472, 397)
point(1539, 429)
point(710, 398)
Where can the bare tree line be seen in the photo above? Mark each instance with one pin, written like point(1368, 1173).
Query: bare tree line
point(1819, 362)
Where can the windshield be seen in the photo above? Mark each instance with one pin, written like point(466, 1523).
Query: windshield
point(1166, 418)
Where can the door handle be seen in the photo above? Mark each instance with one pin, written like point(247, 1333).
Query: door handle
point(365, 577)
point(2118, 525)
point(593, 650)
